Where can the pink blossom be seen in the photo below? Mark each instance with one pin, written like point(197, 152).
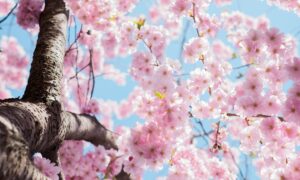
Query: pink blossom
point(181, 7)
point(286, 5)
point(272, 104)
point(269, 127)
point(289, 130)
point(28, 13)
point(273, 37)
point(208, 25)
point(293, 69)
point(133, 167)
point(126, 5)
point(200, 81)
point(14, 59)
point(109, 43)
point(46, 167)
point(223, 2)
point(5, 7)
point(291, 110)
point(260, 110)
point(195, 49)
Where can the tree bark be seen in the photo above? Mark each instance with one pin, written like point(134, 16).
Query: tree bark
point(27, 127)
point(37, 122)
point(88, 128)
point(46, 69)
point(23, 132)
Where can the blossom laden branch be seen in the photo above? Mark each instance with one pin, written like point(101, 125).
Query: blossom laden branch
point(255, 116)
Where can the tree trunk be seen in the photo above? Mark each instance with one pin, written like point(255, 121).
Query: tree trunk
point(37, 122)
point(45, 77)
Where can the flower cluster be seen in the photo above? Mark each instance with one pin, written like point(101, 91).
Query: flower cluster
point(292, 5)
point(79, 166)
point(101, 15)
point(29, 12)
point(246, 89)
point(15, 61)
point(5, 7)
point(46, 167)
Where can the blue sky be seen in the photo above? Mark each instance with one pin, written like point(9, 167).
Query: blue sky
point(287, 22)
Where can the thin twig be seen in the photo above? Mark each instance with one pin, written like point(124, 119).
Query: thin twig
point(204, 131)
point(203, 134)
point(76, 63)
point(92, 73)
point(194, 19)
point(77, 72)
point(243, 66)
point(255, 116)
point(10, 12)
point(235, 163)
point(150, 49)
point(217, 143)
point(75, 42)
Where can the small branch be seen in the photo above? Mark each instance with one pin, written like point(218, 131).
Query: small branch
point(255, 116)
point(86, 127)
point(180, 75)
point(147, 45)
point(76, 39)
point(92, 73)
point(235, 163)
point(194, 19)
point(243, 66)
point(83, 68)
point(204, 131)
point(203, 134)
point(150, 50)
point(217, 145)
point(76, 65)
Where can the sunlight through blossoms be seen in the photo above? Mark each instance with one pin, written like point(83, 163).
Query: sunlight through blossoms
point(193, 113)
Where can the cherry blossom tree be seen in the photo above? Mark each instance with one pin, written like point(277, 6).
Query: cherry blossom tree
point(45, 132)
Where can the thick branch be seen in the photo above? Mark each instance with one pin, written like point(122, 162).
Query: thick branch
point(39, 125)
point(15, 160)
point(86, 127)
point(25, 128)
point(44, 83)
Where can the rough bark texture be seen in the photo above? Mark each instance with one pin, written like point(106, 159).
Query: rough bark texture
point(86, 127)
point(26, 128)
point(46, 69)
point(37, 122)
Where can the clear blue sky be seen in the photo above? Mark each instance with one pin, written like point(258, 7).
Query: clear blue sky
point(286, 21)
